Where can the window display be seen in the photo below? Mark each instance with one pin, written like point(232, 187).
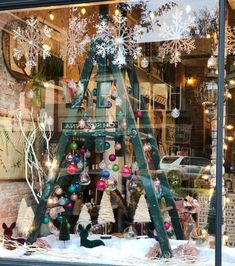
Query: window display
point(109, 133)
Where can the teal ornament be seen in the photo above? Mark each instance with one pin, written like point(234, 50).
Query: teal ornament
point(120, 116)
point(170, 233)
point(59, 218)
point(46, 219)
point(158, 195)
point(94, 92)
point(115, 167)
point(85, 116)
point(72, 188)
point(107, 145)
point(73, 146)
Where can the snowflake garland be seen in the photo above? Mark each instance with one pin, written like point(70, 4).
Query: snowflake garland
point(75, 40)
point(177, 36)
point(230, 40)
point(31, 42)
point(118, 40)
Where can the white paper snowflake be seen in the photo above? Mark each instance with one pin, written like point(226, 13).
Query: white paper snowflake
point(118, 40)
point(177, 36)
point(230, 40)
point(74, 41)
point(30, 42)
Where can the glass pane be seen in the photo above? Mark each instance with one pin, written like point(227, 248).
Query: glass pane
point(108, 127)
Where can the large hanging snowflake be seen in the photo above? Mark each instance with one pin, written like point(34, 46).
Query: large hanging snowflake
point(31, 42)
point(230, 40)
point(75, 40)
point(118, 40)
point(177, 36)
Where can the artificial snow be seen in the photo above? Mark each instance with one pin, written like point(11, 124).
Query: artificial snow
point(117, 251)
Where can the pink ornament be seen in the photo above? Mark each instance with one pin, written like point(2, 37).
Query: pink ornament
point(167, 225)
point(117, 146)
point(101, 185)
point(82, 150)
point(139, 114)
point(126, 171)
point(123, 125)
point(112, 157)
point(58, 191)
point(147, 147)
point(69, 205)
point(149, 160)
point(72, 168)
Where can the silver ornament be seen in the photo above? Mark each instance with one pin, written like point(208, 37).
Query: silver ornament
point(118, 101)
point(144, 63)
point(175, 113)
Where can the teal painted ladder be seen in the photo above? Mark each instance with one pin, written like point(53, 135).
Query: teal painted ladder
point(133, 133)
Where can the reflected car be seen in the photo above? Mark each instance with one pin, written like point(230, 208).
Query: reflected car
point(186, 168)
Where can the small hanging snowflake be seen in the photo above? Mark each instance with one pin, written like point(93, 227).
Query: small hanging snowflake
point(230, 40)
point(177, 36)
point(74, 41)
point(118, 40)
point(30, 42)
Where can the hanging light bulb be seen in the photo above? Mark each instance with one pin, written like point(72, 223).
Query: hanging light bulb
point(51, 15)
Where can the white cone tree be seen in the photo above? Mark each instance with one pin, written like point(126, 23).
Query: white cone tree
point(106, 212)
point(84, 217)
point(142, 212)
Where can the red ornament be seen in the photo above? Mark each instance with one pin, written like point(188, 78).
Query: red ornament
point(167, 225)
point(101, 185)
point(112, 157)
point(126, 171)
point(82, 150)
point(72, 168)
point(139, 114)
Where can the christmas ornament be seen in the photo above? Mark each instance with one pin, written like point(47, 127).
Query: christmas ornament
point(111, 184)
point(139, 114)
point(107, 145)
point(82, 150)
point(69, 205)
point(102, 164)
point(84, 178)
point(115, 167)
point(175, 113)
point(105, 174)
point(46, 219)
point(178, 32)
point(76, 159)
point(59, 218)
point(135, 167)
point(170, 233)
point(87, 154)
point(62, 201)
point(55, 211)
point(167, 225)
point(120, 116)
point(118, 146)
point(80, 165)
point(126, 171)
point(74, 197)
point(108, 104)
point(72, 168)
point(72, 188)
point(69, 157)
point(158, 195)
point(147, 147)
point(58, 191)
point(77, 186)
point(94, 92)
point(149, 160)
point(73, 146)
point(30, 42)
point(82, 124)
point(101, 185)
point(112, 157)
point(144, 63)
point(123, 124)
point(118, 101)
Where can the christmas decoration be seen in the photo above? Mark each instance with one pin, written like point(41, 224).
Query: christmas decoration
point(144, 63)
point(73, 146)
point(84, 178)
point(175, 113)
point(111, 184)
point(106, 212)
point(72, 168)
point(101, 185)
point(84, 241)
point(230, 40)
point(58, 191)
point(74, 197)
point(142, 213)
point(105, 174)
point(112, 157)
point(46, 219)
point(107, 145)
point(177, 36)
point(84, 217)
point(118, 101)
point(117, 146)
point(30, 42)
point(76, 159)
point(64, 230)
point(126, 171)
point(139, 114)
point(102, 164)
point(75, 40)
point(115, 167)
